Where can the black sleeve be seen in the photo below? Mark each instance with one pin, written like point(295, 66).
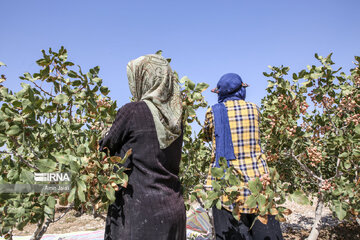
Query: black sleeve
point(119, 131)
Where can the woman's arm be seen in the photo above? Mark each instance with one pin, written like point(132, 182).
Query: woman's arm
point(119, 131)
point(208, 125)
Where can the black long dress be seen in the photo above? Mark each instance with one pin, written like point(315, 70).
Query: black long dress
point(151, 207)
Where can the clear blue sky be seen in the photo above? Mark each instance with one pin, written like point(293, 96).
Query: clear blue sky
point(205, 39)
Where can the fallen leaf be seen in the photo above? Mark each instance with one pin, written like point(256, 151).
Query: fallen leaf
point(263, 219)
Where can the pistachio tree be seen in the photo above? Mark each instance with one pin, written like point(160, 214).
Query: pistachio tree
point(311, 134)
point(195, 158)
point(53, 124)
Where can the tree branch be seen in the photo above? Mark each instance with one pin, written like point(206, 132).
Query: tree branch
point(41, 88)
point(5, 152)
point(95, 214)
point(42, 228)
point(337, 167)
point(20, 157)
point(25, 162)
point(305, 168)
point(64, 213)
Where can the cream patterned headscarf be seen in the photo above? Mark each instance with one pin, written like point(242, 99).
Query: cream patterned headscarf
point(151, 80)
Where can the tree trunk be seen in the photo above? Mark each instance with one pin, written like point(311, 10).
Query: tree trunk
point(11, 235)
point(316, 226)
point(211, 218)
point(40, 231)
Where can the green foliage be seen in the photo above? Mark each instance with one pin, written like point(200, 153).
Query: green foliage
point(311, 133)
point(196, 153)
point(53, 124)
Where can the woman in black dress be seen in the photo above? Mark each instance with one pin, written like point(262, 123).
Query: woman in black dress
point(151, 206)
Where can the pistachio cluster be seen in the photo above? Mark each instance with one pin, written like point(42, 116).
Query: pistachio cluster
point(326, 185)
point(103, 103)
point(314, 155)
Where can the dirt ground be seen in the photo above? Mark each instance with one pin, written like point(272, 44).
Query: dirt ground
point(71, 222)
point(299, 223)
point(296, 227)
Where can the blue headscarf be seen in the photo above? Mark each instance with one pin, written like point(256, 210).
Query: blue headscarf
point(229, 87)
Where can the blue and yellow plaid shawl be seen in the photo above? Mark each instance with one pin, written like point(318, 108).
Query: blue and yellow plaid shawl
point(244, 120)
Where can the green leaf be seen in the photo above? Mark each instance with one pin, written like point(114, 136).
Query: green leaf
point(231, 189)
point(356, 153)
point(201, 87)
point(197, 96)
point(357, 129)
point(26, 176)
point(97, 80)
point(50, 108)
point(347, 164)
point(262, 204)
point(74, 166)
point(191, 111)
point(217, 172)
point(81, 195)
point(218, 204)
point(255, 186)
point(42, 62)
point(61, 158)
point(127, 155)
point(115, 159)
point(81, 185)
point(212, 195)
point(48, 210)
point(12, 174)
point(183, 79)
point(76, 83)
point(110, 193)
point(300, 198)
point(2, 64)
point(14, 130)
point(251, 201)
point(270, 84)
point(208, 204)
point(159, 52)
point(51, 202)
point(61, 99)
point(190, 84)
point(261, 200)
point(22, 224)
point(216, 185)
point(340, 211)
point(81, 149)
point(76, 126)
point(104, 90)
point(233, 180)
point(72, 74)
point(45, 165)
point(71, 196)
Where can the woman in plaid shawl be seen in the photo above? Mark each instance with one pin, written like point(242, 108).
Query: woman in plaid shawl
point(233, 127)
